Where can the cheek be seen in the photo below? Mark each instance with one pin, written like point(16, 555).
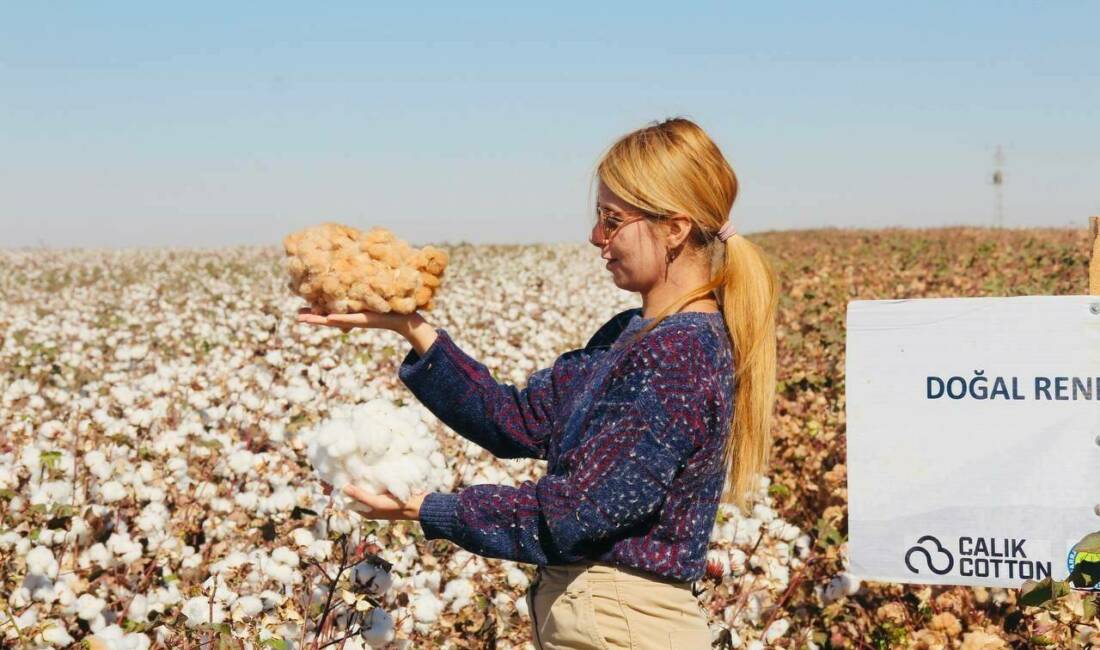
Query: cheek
point(639, 265)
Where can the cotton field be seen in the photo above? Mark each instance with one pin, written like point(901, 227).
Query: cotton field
point(164, 420)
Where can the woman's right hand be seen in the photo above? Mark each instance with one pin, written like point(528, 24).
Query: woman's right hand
point(412, 326)
point(368, 319)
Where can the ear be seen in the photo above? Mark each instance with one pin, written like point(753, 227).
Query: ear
point(678, 227)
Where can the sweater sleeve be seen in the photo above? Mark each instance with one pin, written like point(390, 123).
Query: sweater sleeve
point(507, 421)
point(612, 483)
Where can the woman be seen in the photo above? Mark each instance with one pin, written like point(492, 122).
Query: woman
point(636, 427)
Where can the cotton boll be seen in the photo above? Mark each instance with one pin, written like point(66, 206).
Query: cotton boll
point(88, 607)
point(340, 524)
point(241, 461)
point(379, 627)
point(782, 530)
point(517, 578)
point(427, 580)
point(246, 607)
point(425, 606)
point(301, 537)
point(127, 550)
point(284, 555)
point(95, 554)
point(319, 550)
point(737, 559)
point(459, 592)
point(721, 559)
point(843, 584)
point(40, 561)
point(55, 634)
point(112, 491)
point(370, 578)
point(521, 608)
point(198, 611)
point(139, 608)
point(281, 500)
point(246, 500)
point(777, 629)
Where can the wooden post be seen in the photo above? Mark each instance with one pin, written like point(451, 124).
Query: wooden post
point(1094, 261)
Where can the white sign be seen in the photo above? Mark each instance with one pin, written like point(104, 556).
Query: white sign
point(973, 430)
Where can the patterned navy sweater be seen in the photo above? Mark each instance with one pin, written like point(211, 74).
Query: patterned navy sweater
point(632, 433)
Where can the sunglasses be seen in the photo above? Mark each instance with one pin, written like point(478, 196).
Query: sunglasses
point(609, 223)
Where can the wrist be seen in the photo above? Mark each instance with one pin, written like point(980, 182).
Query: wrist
point(413, 506)
point(418, 332)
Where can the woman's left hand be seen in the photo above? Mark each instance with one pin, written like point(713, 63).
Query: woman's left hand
point(383, 506)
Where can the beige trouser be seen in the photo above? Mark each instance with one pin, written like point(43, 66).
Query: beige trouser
point(602, 607)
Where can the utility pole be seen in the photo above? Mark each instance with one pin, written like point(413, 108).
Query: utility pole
point(998, 188)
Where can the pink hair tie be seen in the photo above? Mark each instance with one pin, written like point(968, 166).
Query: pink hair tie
point(726, 231)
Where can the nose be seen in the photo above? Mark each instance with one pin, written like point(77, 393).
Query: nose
point(593, 239)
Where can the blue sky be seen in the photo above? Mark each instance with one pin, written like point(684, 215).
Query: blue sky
point(206, 124)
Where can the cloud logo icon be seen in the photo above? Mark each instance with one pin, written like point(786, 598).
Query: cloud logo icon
point(938, 548)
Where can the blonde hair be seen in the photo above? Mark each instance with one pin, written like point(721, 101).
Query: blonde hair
point(673, 167)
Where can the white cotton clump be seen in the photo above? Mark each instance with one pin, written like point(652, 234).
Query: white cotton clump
point(198, 611)
point(88, 606)
point(139, 608)
point(459, 592)
point(516, 577)
point(319, 550)
point(427, 580)
point(241, 461)
point(281, 566)
point(284, 555)
point(521, 607)
point(377, 446)
point(301, 537)
point(371, 578)
point(777, 629)
point(843, 584)
point(112, 491)
point(126, 549)
point(378, 628)
point(56, 635)
point(40, 561)
point(426, 607)
point(229, 562)
point(247, 607)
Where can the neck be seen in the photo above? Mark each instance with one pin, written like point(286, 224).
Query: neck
point(681, 279)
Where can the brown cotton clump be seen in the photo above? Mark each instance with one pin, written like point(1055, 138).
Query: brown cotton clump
point(947, 623)
point(339, 269)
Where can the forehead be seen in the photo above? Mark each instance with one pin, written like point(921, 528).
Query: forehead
point(608, 199)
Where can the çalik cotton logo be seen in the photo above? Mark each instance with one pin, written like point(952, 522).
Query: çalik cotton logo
point(981, 557)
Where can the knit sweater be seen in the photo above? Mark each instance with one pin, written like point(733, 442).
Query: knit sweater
point(632, 435)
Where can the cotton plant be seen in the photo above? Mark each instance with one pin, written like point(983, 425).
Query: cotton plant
point(379, 447)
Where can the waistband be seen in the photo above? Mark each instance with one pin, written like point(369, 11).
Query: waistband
point(601, 572)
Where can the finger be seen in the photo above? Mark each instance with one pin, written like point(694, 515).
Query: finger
point(348, 319)
point(360, 496)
